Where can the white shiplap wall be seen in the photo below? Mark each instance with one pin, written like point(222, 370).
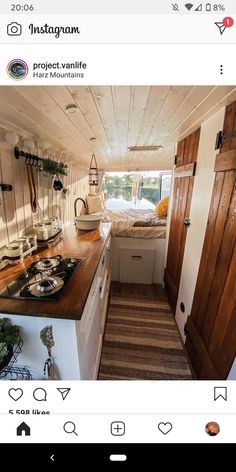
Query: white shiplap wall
point(15, 211)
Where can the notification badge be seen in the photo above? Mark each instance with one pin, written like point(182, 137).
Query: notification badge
point(226, 23)
point(17, 69)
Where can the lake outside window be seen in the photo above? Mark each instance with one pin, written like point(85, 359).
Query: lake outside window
point(139, 190)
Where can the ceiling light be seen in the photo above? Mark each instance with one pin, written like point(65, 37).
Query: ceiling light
point(144, 148)
point(71, 108)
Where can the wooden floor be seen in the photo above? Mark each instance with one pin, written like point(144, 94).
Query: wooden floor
point(141, 340)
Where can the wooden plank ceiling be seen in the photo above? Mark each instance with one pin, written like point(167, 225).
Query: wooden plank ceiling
point(117, 117)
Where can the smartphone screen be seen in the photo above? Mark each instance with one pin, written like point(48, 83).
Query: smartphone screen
point(117, 230)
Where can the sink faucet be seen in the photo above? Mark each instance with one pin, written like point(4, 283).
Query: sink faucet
point(84, 203)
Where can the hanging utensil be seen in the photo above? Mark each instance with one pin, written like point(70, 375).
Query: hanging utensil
point(32, 202)
point(35, 193)
point(46, 337)
point(57, 184)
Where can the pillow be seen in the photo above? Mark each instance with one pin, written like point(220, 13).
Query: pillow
point(95, 203)
point(162, 208)
point(151, 221)
point(96, 194)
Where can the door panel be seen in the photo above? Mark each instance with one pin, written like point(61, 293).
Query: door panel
point(182, 194)
point(213, 317)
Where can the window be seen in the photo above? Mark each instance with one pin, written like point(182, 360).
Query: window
point(139, 190)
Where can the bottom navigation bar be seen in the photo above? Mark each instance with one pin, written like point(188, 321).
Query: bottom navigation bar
point(118, 428)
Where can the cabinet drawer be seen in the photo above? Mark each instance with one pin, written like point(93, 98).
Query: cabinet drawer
point(90, 312)
point(136, 265)
point(89, 341)
point(95, 288)
point(104, 297)
point(98, 357)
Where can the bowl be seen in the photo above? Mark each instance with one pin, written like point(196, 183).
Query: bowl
point(87, 222)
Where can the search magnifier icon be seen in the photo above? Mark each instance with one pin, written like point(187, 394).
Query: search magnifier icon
point(69, 427)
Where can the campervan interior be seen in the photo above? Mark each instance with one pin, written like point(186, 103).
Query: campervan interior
point(117, 232)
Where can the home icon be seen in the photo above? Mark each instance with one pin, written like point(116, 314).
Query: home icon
point(23, 429)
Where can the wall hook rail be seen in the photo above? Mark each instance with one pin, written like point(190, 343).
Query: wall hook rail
point(30, 159)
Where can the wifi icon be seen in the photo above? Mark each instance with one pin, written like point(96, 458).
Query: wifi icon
point(188, 6)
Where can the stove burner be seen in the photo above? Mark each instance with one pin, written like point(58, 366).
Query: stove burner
point(47, 285)
point(45, 279)
point(48, 263)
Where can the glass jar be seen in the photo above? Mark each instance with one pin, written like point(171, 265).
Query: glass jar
point(56, 223)
point(50, 227)
point(14, 252)
point(32, 240)
point(25, 243)
point(41, 231)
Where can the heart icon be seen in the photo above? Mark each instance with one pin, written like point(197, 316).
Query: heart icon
point(15, 393)
point(165, 428)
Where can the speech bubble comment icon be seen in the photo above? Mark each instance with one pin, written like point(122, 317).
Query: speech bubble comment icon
point(40, 395)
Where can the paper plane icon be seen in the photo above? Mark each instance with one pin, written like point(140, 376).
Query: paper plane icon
point(64, 392)
point(221, 26)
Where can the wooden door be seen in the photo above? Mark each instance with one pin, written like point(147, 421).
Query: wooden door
point(211, 327)
point(182, 194)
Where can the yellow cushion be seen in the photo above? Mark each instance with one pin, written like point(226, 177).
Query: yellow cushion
point(162, 207)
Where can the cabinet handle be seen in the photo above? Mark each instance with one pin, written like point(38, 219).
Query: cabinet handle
point(103, 260)
point(136, 258)
point(100, 289)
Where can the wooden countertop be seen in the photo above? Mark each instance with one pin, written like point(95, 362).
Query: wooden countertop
point(87, 246)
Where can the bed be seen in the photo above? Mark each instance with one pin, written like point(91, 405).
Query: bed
point(137, 245)
point(135, 223)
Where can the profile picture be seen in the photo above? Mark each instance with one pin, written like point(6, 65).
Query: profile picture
point(17, 69)
point(212, 428)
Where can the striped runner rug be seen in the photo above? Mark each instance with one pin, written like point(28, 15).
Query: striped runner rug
point(142, 342)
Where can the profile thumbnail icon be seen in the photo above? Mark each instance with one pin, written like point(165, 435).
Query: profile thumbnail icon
point(212, 428)
point(17, 69)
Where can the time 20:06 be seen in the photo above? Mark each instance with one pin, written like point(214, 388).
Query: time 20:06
point(19, 7)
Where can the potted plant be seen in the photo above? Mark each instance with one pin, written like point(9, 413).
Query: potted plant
point(52, 168)
point(9, 337)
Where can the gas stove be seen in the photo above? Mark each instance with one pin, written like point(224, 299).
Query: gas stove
point(45, 279)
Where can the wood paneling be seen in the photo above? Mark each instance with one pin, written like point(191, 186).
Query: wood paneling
point(182, 194)
point(116, 116)
point(214, 306)
point(15, 213)
point(187, 170)
point(225, 161)
point(194, 341)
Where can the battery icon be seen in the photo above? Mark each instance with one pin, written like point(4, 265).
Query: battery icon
point(208, 7)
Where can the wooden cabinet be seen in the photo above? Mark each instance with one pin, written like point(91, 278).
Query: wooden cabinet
point(91, 327)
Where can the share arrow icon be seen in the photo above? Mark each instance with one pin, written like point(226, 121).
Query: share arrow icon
point(221, 26)
point(64, 392)
point(226, 23)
